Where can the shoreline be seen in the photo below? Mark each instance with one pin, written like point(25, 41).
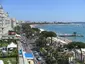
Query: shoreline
point(60, 39)
point(65, 39)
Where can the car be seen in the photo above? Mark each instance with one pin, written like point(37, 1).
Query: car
point(36, 53)
point(39, 58)
point(24, 42)
point(41, 54)
point(20, 52)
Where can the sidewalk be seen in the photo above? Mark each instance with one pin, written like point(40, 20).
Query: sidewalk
point(20, 57)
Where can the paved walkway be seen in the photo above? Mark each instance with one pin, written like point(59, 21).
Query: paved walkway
point(20, 60)
point(20, 57)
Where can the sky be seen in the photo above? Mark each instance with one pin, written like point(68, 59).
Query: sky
point(45, 10)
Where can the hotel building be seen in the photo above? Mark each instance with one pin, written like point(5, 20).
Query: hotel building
point(5, 22)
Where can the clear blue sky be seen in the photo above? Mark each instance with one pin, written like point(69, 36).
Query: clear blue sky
point(45, 10)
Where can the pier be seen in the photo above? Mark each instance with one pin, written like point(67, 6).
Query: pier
point(70, 35)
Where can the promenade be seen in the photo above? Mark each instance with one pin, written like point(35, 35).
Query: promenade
point(65, 39)
point(27, 53)
point(21, 61)
point(61, 40)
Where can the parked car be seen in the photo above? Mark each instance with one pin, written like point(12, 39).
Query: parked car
point(20, 52)
point(36, 53)
point(39, 58)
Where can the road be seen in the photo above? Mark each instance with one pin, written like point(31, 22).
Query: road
point(31, 45)
point(27, 44)
point(21, 60)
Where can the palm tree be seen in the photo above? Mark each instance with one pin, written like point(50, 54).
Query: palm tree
point(76, 45)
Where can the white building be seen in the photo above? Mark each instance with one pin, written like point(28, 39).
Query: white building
point(13, 22)
point(5, 22)
point(78, 54)
point(1, 62)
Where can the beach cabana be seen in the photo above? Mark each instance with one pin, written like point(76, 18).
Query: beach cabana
point(1, 62)
point(41, 30)
point(12, 45)
point(17, 35)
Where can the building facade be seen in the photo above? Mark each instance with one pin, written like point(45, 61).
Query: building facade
point(13, 22)
point(5, 22)
point(78, 54)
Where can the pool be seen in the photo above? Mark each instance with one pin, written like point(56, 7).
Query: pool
point(28, 55)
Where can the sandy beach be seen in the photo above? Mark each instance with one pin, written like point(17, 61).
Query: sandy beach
point(61, 40)
point(57, 39)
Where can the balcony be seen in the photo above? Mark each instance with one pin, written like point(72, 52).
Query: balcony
point(4, 26)
point(1, 11)
point(3, 16)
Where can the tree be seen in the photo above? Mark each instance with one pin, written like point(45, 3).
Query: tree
point(40, 42)
point(36, 31)
point(77, 45)
point(50, 60)
point(17, 29)
point(73, 45)
point(44, 34)
point(49, 34)
point(26, 29)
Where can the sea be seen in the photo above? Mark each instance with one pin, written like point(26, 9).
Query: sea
point(79, 28)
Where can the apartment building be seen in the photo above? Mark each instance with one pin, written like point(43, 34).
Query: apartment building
point(13, 22)
point(5, 22)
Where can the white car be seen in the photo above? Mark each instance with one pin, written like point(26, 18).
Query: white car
point(39, 58)
point(36, 53)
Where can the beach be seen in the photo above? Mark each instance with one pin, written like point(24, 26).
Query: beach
point(57, 39)
point(63, 29)
point(66, 29)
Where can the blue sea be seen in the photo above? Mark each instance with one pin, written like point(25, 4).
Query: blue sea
point(66, 29)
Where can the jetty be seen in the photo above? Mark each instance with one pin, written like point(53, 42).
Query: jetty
point(70, 35)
